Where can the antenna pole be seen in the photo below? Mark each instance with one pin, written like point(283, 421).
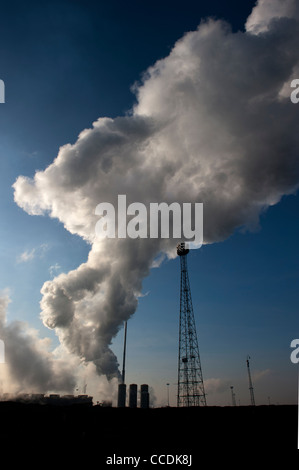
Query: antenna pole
point(124, 355)
point(233, 396)
point(252, 400)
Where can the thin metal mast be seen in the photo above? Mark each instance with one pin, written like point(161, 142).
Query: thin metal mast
point(124, 355)
point(190, 382)
point(233, 396)
point(252, 400)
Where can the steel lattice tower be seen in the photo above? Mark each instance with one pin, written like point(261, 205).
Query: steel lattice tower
point(190, 382)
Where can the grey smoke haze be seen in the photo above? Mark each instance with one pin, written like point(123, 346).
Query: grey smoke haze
point(29, 363)
point(213, 123)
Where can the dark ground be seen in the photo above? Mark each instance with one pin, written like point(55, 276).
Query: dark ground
point(232, 437)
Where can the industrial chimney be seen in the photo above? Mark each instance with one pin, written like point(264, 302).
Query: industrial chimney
point(133, 396)
point(144, 396)
point(122, 389)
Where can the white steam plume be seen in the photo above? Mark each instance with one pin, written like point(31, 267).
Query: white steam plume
point(213, 123)
point(29, 364)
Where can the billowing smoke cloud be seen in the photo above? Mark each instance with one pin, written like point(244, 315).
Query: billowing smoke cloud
point(213, 123)
point(29, 364)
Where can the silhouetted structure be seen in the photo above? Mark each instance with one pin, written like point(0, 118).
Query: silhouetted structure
point(122, 388)
point(252, 400)
point(52, 399)
point(144, 396)
point(124, 355)
point(122, 392)
point(190, 382)
point(233, 396)
point(133, 396)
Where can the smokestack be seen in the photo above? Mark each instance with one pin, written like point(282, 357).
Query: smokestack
point(133, 396)
point(122, 389)
point(144, 401)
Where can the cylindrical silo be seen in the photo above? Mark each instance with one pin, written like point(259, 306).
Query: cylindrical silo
point(133, 396)
point(122, 388)
point(144, 396)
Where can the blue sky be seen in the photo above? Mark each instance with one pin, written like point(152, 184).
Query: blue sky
point(64, 65)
